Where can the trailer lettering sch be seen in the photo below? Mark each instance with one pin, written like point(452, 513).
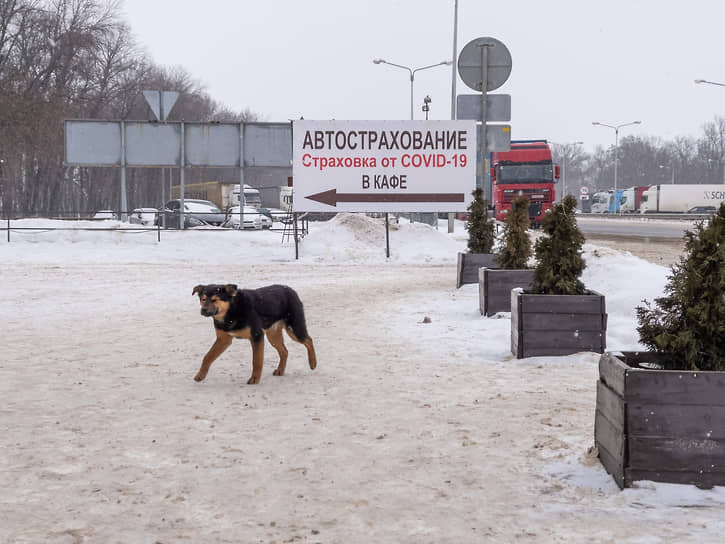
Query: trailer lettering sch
point(681, 198)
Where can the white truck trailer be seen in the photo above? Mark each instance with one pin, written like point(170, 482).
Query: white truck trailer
point(680, 198)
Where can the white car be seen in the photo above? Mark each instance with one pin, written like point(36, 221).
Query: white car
point(275, 214)
point(104, 214)
point(143, 216)
point(252, 218)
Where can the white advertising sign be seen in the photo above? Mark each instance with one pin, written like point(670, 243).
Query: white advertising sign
point(383, 166)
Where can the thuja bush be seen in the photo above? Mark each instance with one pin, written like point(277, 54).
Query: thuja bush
point(559, 252)
point(515, 243)
point(687, 325)
point(480, 227)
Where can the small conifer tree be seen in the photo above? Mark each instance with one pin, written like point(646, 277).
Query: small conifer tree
point(559, 253)
point(480, 227)
point(687, 325)
point(516, 244)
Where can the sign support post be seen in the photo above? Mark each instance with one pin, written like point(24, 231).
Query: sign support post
point(484, 65)
point(484, 110)
point(124, 202)
point(387, 237)
point(241, 175)
point(182, 219)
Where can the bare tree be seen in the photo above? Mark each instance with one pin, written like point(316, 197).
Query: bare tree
point(711, 151)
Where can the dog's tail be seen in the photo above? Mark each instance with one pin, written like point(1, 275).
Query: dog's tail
point(296, 316)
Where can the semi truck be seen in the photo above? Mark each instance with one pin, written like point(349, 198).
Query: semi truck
point(631, 200)
point(680, 198)
point(600, 202)
point(615, 200)
point(223, 194)
point(609, 201)
point(528, 170)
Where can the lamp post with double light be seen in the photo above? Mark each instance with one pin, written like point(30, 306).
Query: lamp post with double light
point(412, 72)
point(616, 147)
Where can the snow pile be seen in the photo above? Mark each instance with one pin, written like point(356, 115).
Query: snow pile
point(357, 238)
point(626, 281)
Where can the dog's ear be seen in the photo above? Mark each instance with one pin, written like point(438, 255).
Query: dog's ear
point(231, 289)
point(197, 289)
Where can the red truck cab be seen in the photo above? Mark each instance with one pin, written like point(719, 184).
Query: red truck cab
point(527, 169)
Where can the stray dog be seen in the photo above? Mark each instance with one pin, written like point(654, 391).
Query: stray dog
point(252, 314)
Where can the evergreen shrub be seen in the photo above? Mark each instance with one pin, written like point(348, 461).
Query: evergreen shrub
point(480, 227)
point(515, 243)
point(559, 253)
point(687, 325)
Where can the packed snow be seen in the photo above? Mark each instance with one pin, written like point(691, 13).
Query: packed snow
point(409, 430)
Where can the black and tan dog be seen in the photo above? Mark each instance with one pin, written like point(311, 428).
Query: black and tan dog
point(252, 314)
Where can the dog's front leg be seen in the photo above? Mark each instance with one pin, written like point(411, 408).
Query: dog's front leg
point(257, 358)
point(223, 341)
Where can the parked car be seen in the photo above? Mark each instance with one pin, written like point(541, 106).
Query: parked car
point(203, 210)
point(143, 216)
point(104, 214)
point(275, 214)
point(702, 209)
point(252, 218)
point(265, 220)
point(172, 221)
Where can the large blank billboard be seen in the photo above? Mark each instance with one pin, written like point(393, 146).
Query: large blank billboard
point(151, 144)
point(93, 143)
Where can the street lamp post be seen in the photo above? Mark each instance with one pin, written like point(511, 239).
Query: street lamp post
point(616, 147)
point(412, 72)
point(709, 82)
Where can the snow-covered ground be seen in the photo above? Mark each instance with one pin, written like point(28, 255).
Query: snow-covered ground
point(407, 431)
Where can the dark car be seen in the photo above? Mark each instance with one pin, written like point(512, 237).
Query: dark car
point(702, 210)
point(202, 210)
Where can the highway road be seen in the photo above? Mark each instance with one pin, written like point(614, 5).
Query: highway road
point(633, 227)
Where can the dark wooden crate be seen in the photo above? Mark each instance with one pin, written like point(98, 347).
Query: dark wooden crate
point(660, 425)
point(543, 325)
point(468, 265)
point(494, 288)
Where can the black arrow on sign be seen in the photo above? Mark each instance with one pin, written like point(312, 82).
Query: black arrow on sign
point(332, 197)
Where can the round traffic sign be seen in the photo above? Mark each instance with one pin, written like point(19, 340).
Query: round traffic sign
point(470, 64)
point(584, 190)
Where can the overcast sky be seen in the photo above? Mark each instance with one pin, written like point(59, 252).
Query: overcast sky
point(574, 61)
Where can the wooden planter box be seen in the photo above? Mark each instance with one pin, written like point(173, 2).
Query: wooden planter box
point(468, 265)
point(557, 324)
point(659, 425)
point(494, 288)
